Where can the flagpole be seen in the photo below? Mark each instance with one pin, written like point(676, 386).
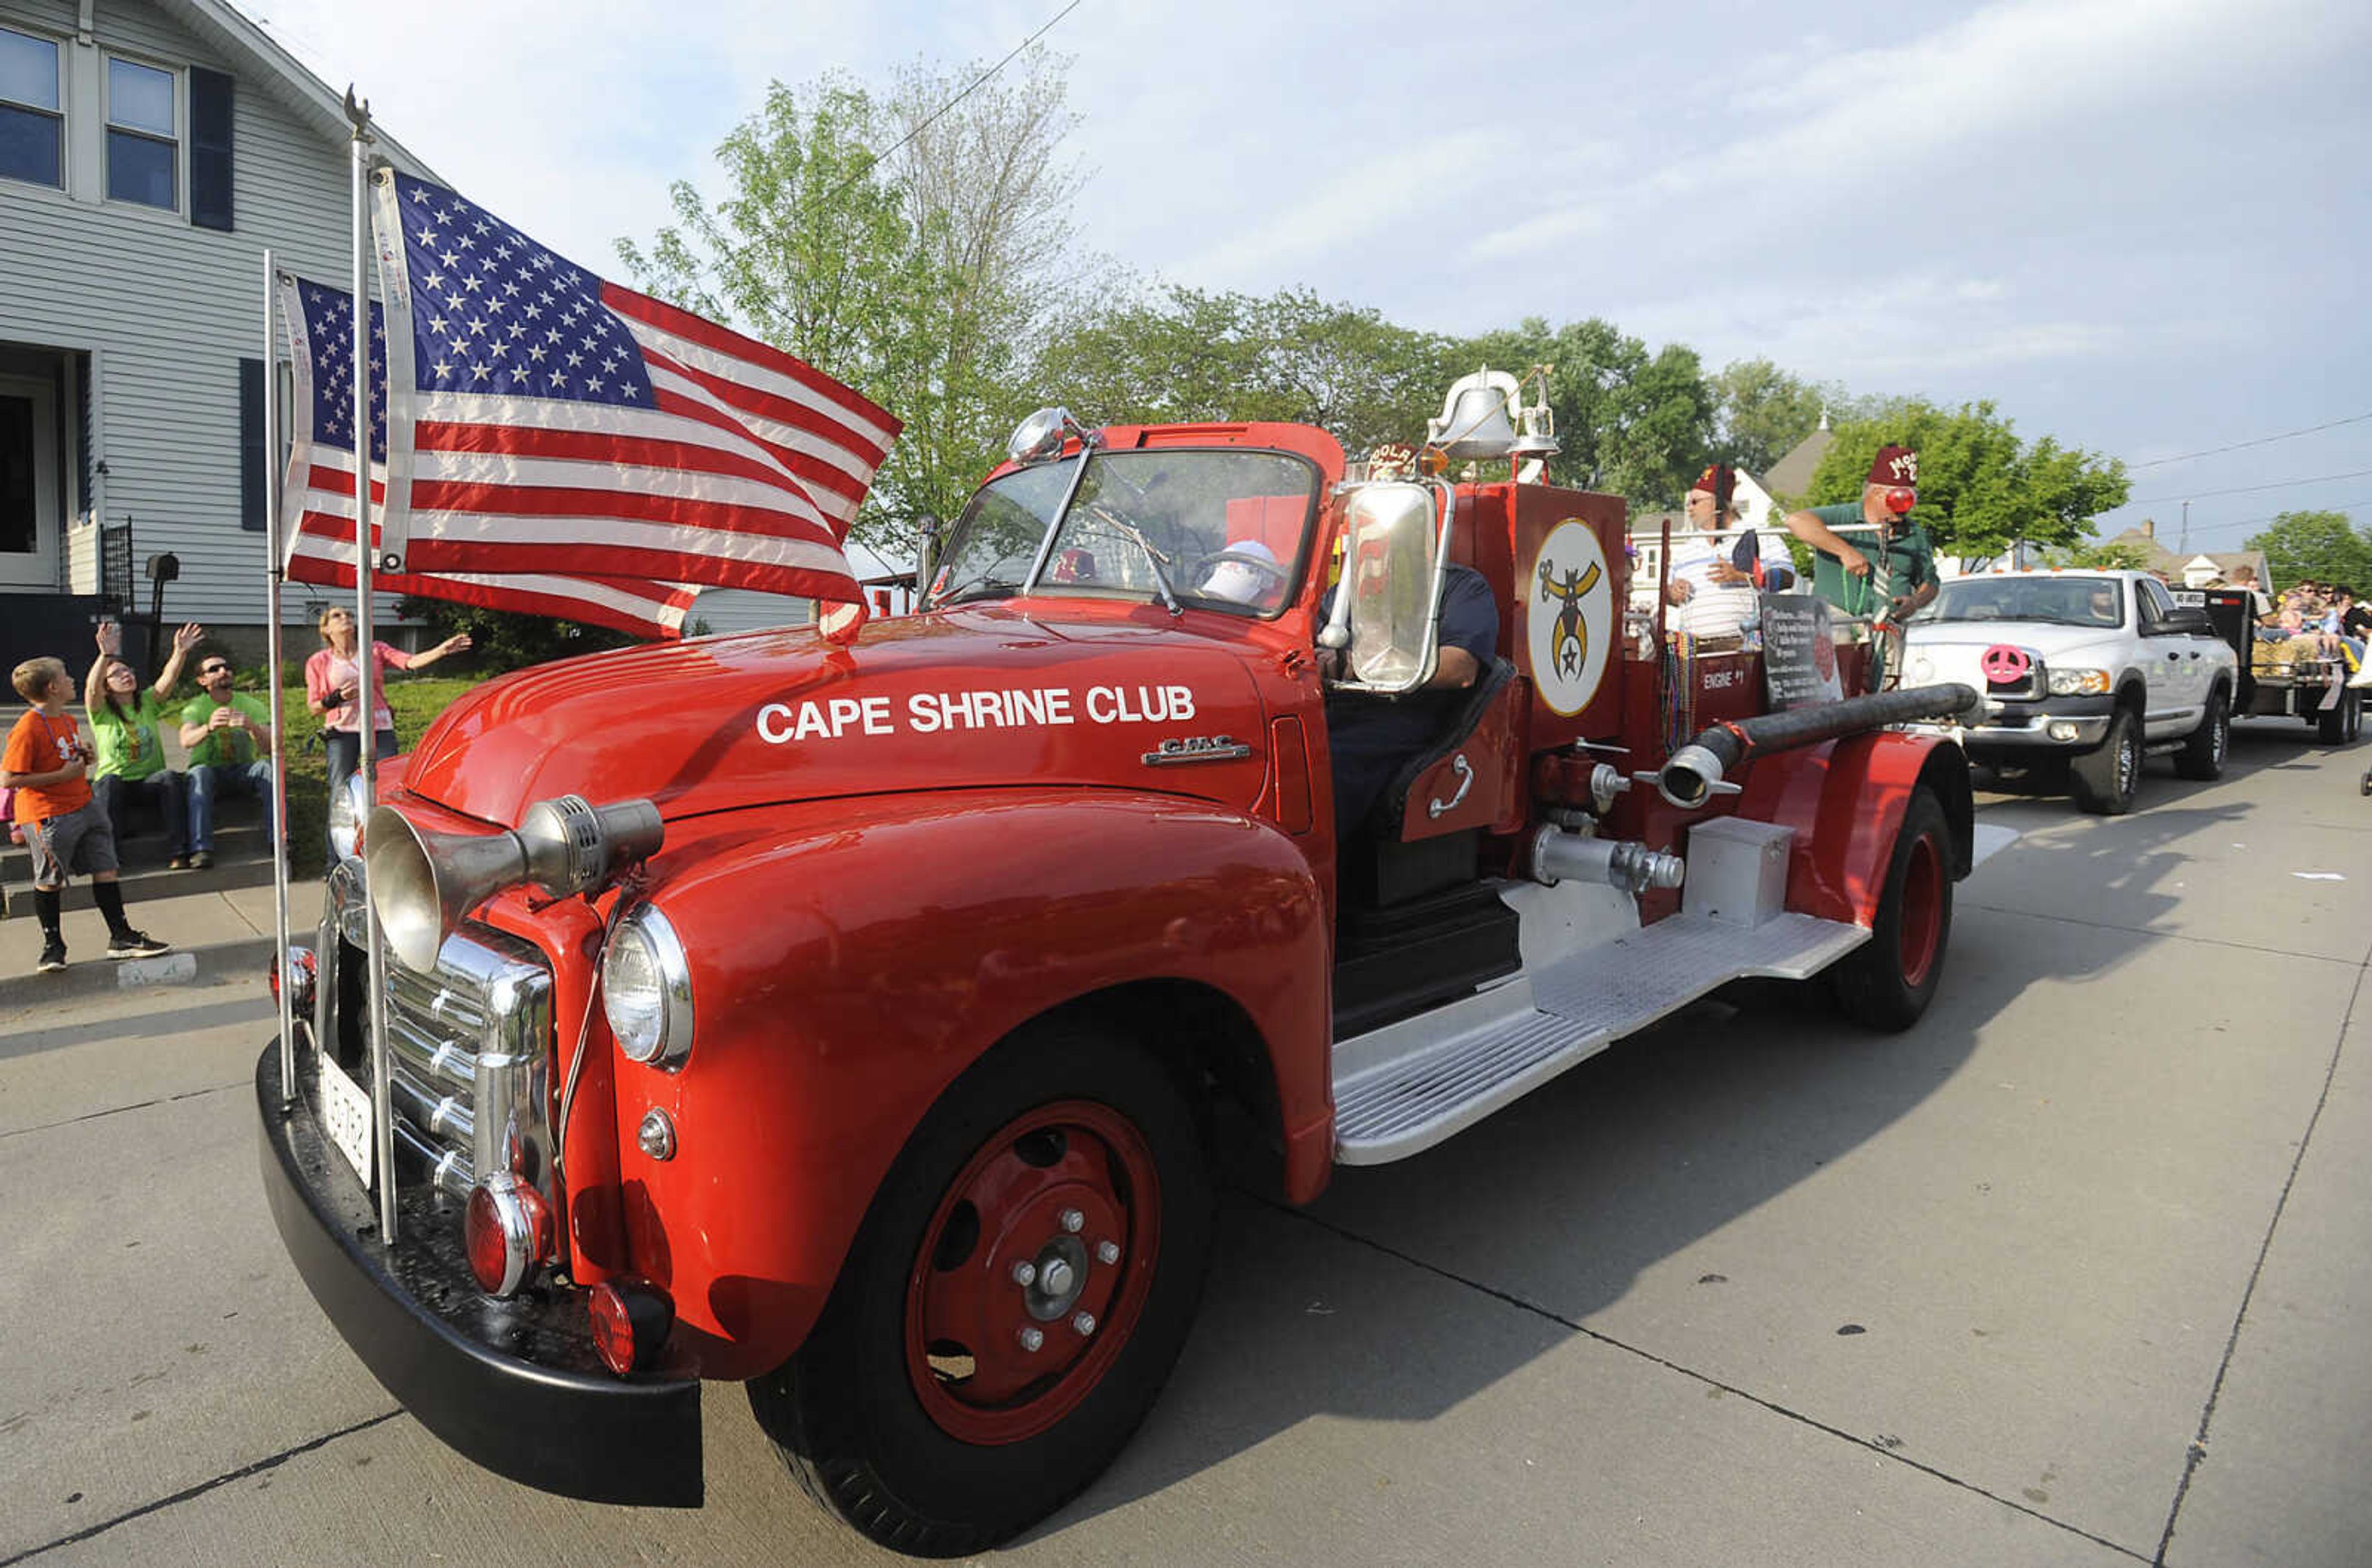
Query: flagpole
point(366, 673)
point(274, 652)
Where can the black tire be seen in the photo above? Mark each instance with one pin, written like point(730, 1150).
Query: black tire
point(850, 1411)
point(1887, 983)
point(2337, 727)
point(2104, 779)
point(2202, 754)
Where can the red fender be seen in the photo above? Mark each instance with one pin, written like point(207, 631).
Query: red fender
point(844, 971)
point(1845, 799)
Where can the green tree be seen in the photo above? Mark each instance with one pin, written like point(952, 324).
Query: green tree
point(1761, 412)
point(1632, 423)
point(1980, 487)
point(906, 243)
point(2324, 546)
point(2098, 555)
point(1187, 356)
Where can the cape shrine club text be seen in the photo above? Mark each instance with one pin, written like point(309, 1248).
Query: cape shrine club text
point(929, 712)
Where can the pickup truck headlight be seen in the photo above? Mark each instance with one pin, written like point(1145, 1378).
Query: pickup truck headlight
point(2079, 682)
point(647, 990)
point(347, 808)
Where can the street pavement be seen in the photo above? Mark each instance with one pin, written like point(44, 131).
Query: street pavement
point(2071, 1274)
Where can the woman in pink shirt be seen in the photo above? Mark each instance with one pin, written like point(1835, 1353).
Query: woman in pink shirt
point(333, 678)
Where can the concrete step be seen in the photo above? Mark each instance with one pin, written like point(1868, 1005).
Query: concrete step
point(217, 936)
point(242, 859)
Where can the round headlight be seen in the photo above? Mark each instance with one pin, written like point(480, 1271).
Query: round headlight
point(647, 990)
point(347, 808)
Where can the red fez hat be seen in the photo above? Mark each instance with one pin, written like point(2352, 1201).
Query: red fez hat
point(1712, 480)
point(1894, 465)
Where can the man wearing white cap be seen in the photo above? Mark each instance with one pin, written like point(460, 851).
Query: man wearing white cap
point(1246, 573)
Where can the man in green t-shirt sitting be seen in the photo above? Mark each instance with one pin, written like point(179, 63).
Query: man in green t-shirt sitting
point(1903, 575)
point(230, 735)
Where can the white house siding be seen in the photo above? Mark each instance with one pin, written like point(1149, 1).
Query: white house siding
point(168, 311)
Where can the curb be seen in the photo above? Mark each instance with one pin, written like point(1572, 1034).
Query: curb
point(214, 964)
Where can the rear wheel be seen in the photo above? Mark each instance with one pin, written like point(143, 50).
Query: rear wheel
point(2338, 725)
point(2202, 754)
point(1888, 982)
point(1012, 1304)
point(2103, 779)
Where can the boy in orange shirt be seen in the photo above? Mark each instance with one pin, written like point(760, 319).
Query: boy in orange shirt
point(45, 763)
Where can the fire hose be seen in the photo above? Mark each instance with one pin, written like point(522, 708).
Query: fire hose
point(1692, 774)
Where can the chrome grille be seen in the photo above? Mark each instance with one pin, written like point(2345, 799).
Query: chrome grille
point(469, 1043)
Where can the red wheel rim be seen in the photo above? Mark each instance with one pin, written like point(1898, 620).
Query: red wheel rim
point(1923, 910)
point(1069, 1190)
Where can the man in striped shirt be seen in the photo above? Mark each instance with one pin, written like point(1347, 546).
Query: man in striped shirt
point(1713, 600)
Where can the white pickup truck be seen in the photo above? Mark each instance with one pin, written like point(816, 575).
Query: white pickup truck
point(2093, 668)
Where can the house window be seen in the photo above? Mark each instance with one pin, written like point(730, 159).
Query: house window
point(32, 131)
point(144, 152)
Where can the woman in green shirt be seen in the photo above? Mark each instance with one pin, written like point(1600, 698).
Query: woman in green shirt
point(129, 749)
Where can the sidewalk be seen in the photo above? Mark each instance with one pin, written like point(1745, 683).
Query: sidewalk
point(219, 938)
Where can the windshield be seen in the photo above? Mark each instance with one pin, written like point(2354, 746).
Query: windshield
point(1223, 528)
point(2062, 602)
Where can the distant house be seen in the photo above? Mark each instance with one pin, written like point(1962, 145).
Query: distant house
point(150, 152)
point(2196, 570)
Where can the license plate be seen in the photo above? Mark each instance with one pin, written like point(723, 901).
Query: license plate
point(346, 1107)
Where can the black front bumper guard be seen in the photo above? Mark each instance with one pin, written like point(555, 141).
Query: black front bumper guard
point(515, 1386)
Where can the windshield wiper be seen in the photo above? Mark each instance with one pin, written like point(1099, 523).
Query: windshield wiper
point(1153, 557)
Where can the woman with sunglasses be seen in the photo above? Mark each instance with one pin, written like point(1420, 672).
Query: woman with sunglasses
point(129, 750)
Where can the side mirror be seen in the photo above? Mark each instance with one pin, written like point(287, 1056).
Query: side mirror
point(1386, 606)
point(2190, 618)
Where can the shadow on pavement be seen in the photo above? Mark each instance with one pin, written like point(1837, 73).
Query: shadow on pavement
point(1609, 1170)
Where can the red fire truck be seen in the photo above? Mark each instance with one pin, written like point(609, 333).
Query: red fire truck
point(855, 1021)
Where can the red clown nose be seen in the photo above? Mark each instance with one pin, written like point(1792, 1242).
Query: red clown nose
point(1899, 500)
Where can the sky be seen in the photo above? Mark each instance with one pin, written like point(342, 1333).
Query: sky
point(2134, 225)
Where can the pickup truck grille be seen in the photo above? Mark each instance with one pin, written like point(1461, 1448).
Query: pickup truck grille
point(470, 1043)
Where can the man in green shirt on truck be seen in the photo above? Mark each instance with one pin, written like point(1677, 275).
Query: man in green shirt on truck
point(1902, 578)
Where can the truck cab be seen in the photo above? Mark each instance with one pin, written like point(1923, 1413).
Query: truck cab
point(856, 1019)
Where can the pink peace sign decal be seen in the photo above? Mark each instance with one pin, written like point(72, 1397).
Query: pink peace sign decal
point(2004, 664)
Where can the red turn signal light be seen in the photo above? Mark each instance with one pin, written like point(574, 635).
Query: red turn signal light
point(506, 1232)
point(631, 1321)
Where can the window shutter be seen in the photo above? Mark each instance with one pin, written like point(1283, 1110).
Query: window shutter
point(210, 123)
point(252, 465)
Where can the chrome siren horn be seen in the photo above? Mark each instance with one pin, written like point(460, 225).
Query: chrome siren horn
point(424, 883)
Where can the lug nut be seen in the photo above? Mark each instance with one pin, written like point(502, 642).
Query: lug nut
point(1084, 1322)
point(1031, 1339)
point(1025, 1274)
point(1074, 1221)
point(1106, 1252)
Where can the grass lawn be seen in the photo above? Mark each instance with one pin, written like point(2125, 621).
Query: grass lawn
point(416, 702)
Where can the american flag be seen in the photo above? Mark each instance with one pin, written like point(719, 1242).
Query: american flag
point(319, 496)
point(545, 419)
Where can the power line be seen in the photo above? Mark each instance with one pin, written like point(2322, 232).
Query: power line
point(2252, 522)
point(932, 118)
point(2260, 441)
point(2247, 489)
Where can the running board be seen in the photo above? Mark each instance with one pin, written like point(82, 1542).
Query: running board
point(1401, 1089)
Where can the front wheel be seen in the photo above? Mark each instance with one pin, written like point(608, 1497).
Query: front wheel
point(1888, 982)
point(1012, 1303)
point(2103, 779)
